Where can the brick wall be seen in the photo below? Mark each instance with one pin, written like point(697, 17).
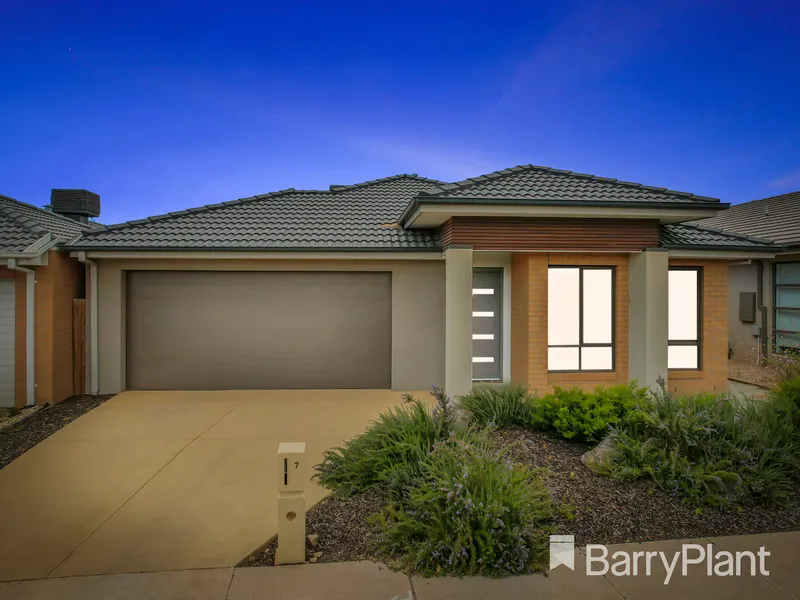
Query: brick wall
point(713, 373)
point(529, 325)
point(529, 321)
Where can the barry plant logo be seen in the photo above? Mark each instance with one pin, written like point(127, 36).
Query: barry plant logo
point(562, 551)
point(624, 563)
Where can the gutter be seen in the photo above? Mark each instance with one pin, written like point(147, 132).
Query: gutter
point(30, 329)
point(94, 355)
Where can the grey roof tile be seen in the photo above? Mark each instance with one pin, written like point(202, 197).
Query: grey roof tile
point(347, 217)
point(544, 183)
point(776, 218)
point(23, 224)
point(692, 235)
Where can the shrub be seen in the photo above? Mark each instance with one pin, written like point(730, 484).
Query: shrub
point(390, 451)
point(506, 406)
point(471, 511)
point(710, 449)
point(573, 413)
point(788, 391)
point(587, 416)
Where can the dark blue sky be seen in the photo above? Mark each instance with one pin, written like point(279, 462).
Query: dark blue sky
point(158, 106)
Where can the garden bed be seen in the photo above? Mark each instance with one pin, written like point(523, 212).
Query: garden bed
point(601, 510)
point(19, 437)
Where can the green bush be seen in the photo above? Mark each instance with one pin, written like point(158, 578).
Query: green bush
point(587, 416)
point(390, 451)
point(506, 406)
point(573, 413)
point(711, 450)
point(788, 391)
point(471, 511)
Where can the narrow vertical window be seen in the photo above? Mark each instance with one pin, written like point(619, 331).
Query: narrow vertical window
point(580, 319)
point(787, 307)
point(684, 318)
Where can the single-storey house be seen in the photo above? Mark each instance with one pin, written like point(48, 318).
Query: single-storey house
point(532, 275)
point(765, 293)
point(38, 284)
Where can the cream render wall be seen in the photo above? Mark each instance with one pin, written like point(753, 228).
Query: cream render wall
point(418, 311)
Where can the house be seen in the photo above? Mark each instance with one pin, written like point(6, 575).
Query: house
point(38, 284)
point(530, 274)
point(765, 294)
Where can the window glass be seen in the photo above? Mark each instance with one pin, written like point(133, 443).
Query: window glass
point(597, 307)
point(788, 297)
point(787, 273)
point(788, 320)
point(683, 304)
point(683, 357)
point(563, 359)
point(563, 307)
point(596, 358)
point(580, 319)
point(683, 296)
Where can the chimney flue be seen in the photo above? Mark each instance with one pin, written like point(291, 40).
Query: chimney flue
point(75, 204)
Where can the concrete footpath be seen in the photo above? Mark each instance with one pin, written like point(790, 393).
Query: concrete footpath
point(363, 580)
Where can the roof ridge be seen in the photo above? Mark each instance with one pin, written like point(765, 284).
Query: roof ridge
point(338, 187)
point(207, 207)
point(529, 167)
point(727, 232)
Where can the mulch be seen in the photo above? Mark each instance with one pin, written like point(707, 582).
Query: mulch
point(605, 510)
point(18, 438)
point(610, 511)
point(343, 531)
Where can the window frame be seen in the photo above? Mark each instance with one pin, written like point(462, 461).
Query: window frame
point(699, 341)
point(775, 285)
point(613, 344)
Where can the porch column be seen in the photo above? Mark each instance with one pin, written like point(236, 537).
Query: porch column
point(458, 321)
point(648, 316)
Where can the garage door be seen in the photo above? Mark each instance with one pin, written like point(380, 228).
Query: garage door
point(6, 342)
point(258, 330)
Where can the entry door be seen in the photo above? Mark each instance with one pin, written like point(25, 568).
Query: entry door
point(487, 324)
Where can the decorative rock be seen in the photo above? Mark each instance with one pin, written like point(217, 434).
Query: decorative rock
point(313, 539)
point(601, 453)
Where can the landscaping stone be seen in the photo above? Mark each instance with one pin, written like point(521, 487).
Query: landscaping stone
point(601, 453)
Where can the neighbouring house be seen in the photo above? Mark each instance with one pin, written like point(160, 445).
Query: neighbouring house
point(530, 274)
point(38, 285)
point(765, 293)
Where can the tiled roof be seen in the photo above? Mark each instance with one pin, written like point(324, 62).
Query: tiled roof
point(776, 218)
point(544, 183)
point(23, 224)
point(690, 235)
point(364, 216)
point(345, 217)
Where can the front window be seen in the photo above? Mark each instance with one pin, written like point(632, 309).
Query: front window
point(684, 318)
point(580, 319)
point(787, 307)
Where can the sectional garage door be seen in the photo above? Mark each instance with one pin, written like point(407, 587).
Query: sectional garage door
point(196, 330)
point(7, 342)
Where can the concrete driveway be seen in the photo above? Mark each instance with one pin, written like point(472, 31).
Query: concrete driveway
point(154, 481)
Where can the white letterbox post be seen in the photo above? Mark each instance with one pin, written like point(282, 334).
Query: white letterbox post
point(293, 476)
